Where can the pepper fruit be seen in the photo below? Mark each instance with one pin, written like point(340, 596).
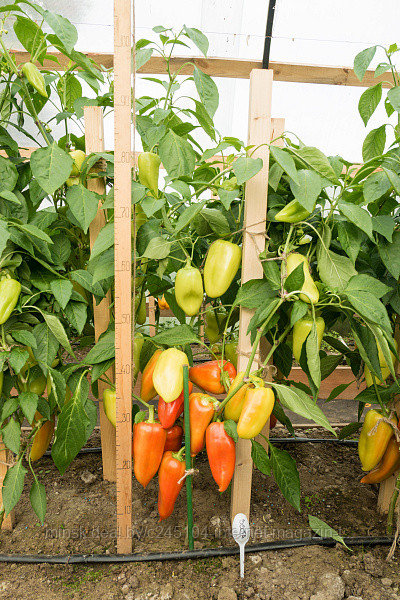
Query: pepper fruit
point(42, 438)
point(215, 319)
point(140, 219)
point(211, 378)
point(147, 391)
point(35, 78)
point(189, 290)
point(257, 407)
point(140, 309)
point(172, 469)
point(292, 262)
point(168, 412)
point(384, 367)
point(78, 156)
point(372, 447)
point(149, 168)
point(36, 386)
point(216, 351)
point(162, 303)
point(231, 353)
point(234, 406)
point(293, 212)
point(221, 454)
point(389, 464)
point(109, 405)
point(10, 290)
point(222, 263)
point(201, 413)
point(301, 329)
point(174, 438)
point(147, 449)
point(137, 349)
point(168, 373)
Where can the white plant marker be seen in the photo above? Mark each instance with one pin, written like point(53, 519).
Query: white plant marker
point(241, 535)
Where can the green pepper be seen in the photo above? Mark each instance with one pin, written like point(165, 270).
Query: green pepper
point(189, 289)
point(215, 320)
point(310, 290)
point(301, 329)
point(292, 213)
point(109, 405)
point(140, 217)
point(222, 263)
point(36, 386)
point(137, 348)
point(140, 309)
point(149, 168)
point(10, 290)
point(78, 156)
point(231, 353)
point(35, 78)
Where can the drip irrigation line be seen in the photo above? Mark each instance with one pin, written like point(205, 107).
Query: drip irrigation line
point(76, 559)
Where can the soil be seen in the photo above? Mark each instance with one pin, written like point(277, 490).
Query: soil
point(81, 519)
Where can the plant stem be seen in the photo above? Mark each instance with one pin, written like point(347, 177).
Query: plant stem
point(188, 457)
point(392, 506)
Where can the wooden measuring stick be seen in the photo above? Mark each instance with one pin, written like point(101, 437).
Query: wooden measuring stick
point(253, 244)
point(123, 267)
point(94, 139)
point(5, 459)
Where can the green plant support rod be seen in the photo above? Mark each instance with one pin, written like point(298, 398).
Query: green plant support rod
point(188, 457)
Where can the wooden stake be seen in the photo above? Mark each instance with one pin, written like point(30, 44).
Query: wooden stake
point(5, 458)
point(94, 139)
point(253, 245)
point(123, 266)
point(152, 316)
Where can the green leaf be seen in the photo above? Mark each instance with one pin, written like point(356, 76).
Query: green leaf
point(334, 270)
point(207, 91)
point(316, 160)
point(177, 155)
point(350, 238)
point(369, 307)
point(390, 255)
point(299, 402)
point(62, 290)
point(227, 196)
point(325, 531)
point(358, 216)
point(286, 475)
point(11, 433)
point(51, 167)
point(375, 186)
point(211, 220)
point(308, 188)
point(104, 240)
point(312, 352)
point(329, 364)
point(384, 224)
point(157, 248)
point(231, 429)
point(34, 231)
point(260, 458)
point(181, 335)
point(13, 485)
point(362, 61)
point(18, 358)
point(374, 143)
point(57, 328)
point(295, 280)
point(368, 102)
point(24, 337)
point(349, 430)
point(28, 403)
point(64, 29)
point(103, 350)
point(299, 310)
point(253, 293)
point(393, 96)
point(285, 161)
point(8, 174)
point(76, 313)
point(83, 204)
point(188, 215)
point(37, 496)
point(46, 344)
point(245, 168)
point(57, 386)
point(29, 34)
point(198, 38)
point(4, 236)
point(142, 56)
point(367, 283)
point(151, 205)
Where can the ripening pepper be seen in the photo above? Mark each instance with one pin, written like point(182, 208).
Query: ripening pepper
point(168, 412)
point(293, 212)
point(174, 438)
point(137, 349)
point(292, 262)
point(201, 412)
point(10, 290)
point(78, 156)
point(234, 406)
point(149, 169)
point(371, 448)
point(301, 329)
point(389, 464)
point(140, 309)
point(221, 454)
point(35, 78)
point(222, 263)
point(211, 378)
point(257, 407)
point(215, 319)
point(189, 290)
point(147, 391)
point(147, 449)
point(172, 469)
point(42, 438)
point(162, 303)
point(384, 367)
point(109, 405)
point(231, 353)
point(168, 374)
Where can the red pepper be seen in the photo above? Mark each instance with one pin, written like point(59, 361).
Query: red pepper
point(221, 454)
point(209, 377)
point(201, 413)
point(172, 469)
point(148, 449)
point(168, 412)
point(174, 438)
point(147, 391)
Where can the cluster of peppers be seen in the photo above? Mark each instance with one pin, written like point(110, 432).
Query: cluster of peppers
point(378, 446)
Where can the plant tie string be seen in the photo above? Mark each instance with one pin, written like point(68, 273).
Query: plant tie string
point(186, 474)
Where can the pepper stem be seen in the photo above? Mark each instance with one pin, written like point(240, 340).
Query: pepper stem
point(151, 414)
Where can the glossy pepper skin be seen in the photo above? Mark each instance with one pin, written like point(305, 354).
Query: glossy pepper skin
point(371, 448)
point(168, 412)
point(172, 469)
point(221, 454)
point(292, 213)
point(78, 156)
point(384, 367)
point(149, 169)
point(231, 353)
point(10, 290)
point(293, 261)
point(163, 304)
point(148, 449)
point(389, 464)
point(301, 329)
point(215, 320)
point(140, 309)
point(35, 78)
point(147, 391)
point(234, 406)
point(201, 412)
point(257, 407)
point(137, 348)
point(174, 438)
point(209, 377)
point(168, 374)
point(109, 405)
point(222, 263)
point(42, 439)
point(189, 290)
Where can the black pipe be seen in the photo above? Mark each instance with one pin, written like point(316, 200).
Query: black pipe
point(74, 559)
point(268, 34)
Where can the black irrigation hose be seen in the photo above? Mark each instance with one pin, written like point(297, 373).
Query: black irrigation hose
point(76, 559)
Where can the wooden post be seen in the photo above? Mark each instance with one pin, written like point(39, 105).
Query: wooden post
point(253, 245)
point(5, 458)
point(94, 138)
point(152, 316)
